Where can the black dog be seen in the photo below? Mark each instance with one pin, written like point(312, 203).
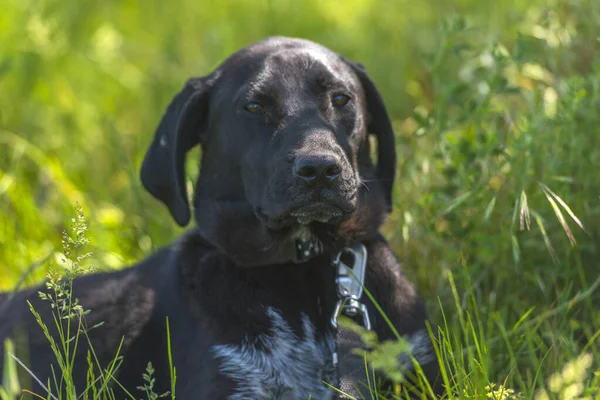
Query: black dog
point(286, 182)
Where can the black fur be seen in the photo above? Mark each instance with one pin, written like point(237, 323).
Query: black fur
point(215, 282)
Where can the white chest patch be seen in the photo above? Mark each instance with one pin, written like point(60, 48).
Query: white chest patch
point(290, 367)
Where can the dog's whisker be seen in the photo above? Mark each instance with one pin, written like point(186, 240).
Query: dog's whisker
point(376, 180)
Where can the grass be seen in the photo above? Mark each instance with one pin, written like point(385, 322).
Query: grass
point(495, 105)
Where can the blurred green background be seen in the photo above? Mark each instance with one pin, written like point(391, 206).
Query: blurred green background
point(496, 105)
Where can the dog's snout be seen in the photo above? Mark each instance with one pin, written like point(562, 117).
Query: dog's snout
point(317, 169)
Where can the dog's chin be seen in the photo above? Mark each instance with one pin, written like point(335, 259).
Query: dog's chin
point(322, 213)
point(318, 212)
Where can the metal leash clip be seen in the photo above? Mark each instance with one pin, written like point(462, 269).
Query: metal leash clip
point(350, 282)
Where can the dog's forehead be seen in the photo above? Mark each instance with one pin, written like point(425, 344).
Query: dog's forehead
point(279, 56)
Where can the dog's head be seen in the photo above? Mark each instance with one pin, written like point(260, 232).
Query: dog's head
point(283, 126)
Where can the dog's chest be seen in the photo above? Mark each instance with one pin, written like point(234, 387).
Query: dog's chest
point(279, 364)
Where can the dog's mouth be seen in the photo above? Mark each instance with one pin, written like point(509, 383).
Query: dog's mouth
point(318, 212)
point(304, 214)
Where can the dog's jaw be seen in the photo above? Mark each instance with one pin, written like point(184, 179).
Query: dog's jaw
point(316, 212)
point(332, 211)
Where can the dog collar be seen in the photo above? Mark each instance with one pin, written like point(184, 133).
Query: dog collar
point(306, 248)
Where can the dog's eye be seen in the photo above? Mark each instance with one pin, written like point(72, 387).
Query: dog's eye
point(340, 99)
point(254, 107)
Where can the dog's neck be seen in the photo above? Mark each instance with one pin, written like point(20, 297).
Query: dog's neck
point(236, 231)
point(227, 296)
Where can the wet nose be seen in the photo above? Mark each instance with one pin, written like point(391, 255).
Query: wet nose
point(317, 170)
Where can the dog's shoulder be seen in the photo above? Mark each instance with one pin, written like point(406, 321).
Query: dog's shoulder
point(121, 301)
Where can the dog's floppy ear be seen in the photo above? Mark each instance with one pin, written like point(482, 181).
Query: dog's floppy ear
point(379, 124)
point(180, 129)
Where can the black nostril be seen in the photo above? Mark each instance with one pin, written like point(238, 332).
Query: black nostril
point(307, 172)
point(333, 171)
point(317, 169)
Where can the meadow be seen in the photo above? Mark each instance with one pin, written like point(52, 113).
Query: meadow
point(496, 106)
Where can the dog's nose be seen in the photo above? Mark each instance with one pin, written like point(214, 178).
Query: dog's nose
point(317, 169)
